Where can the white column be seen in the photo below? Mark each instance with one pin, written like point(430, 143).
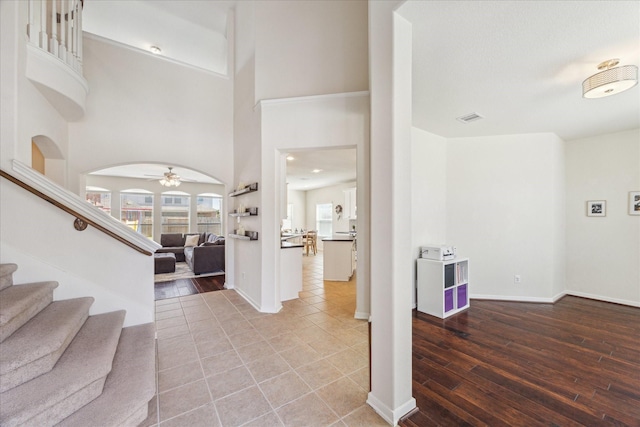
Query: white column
point(193, 212)
point(391, 256)
point(53, 47)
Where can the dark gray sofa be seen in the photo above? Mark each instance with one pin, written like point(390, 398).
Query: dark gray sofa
point(206, 257)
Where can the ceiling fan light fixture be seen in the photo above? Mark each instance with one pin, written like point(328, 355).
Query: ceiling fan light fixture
point(611, 81)
point(170, 179)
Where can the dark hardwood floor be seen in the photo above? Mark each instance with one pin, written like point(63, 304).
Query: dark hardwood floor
point(183, 287)
point(572, 363)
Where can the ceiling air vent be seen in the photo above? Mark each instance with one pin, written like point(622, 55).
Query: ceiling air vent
point(468, 118)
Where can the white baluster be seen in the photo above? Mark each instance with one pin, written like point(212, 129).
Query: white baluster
point(73, 44)
point(64, 23)
point(30, 24)
point(53, 48)
point(79, 30)
point(44, 38)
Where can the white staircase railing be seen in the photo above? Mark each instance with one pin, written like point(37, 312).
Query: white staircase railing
point(55, 26)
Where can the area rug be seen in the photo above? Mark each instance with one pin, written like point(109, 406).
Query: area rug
point(182, 272)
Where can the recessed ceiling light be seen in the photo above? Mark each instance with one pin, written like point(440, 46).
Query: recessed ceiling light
point(316, 170)
point(156, 50)
point(290, 158)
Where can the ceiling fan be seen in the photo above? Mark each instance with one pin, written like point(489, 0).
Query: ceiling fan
point(169, 179)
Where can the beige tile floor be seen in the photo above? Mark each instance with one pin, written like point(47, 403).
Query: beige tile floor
point(222, 363)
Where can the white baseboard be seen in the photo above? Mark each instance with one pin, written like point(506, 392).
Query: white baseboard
point(556, 298)
point(247, 298)
point(361, 316)
point(392, 416)
point(513, 298)
point(603, 298)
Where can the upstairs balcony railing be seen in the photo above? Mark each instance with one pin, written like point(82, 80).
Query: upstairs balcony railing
point(55, 26)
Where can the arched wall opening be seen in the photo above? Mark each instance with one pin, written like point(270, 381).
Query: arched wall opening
point(47, 158)
point(199, 199)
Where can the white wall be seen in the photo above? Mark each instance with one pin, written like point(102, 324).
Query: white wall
point(505, 198)
point(25, 111)
point(41, 239)
point(309, 123)
point(143, 109)
point(310, 47)
point(245, 268)
point(603, 254)
point(428, 191)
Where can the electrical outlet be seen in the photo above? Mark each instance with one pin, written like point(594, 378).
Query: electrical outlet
point(517, 279)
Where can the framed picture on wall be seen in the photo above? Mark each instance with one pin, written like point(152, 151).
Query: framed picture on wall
point(634, 202)
point(596, 208)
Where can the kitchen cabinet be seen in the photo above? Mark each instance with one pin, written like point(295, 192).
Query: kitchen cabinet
point(290, 271)
point(350, 208)
point(339, 258)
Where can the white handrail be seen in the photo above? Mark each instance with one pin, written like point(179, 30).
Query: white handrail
point(60, 31)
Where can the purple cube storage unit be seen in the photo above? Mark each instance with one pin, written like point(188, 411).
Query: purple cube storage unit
point(443, 286)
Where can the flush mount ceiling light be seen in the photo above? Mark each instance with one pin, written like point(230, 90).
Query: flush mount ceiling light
point(170, 179)
point(610, 80)
point(156, 50)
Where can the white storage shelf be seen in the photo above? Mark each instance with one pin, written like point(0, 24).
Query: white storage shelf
point(443, 286)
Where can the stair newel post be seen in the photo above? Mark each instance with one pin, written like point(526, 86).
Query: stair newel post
point(54, 28)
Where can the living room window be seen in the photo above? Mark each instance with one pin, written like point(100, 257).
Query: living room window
point(99, 197)
point(136, 211)
point(209, 218)
point(175, 212)
point(324, 219)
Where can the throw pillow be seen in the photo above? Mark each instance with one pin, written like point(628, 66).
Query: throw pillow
point(219, 242)
point(192, 240)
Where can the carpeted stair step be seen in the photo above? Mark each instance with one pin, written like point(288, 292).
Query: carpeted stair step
point(36, 347)
point(77, 378)
point(129, 387)
point(20, 303)
point(6, 275)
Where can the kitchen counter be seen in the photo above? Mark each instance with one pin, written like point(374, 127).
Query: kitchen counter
point(339, 258)
point(339, 238)
point(285, 245)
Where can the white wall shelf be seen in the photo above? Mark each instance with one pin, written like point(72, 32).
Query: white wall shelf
point(248, 235)
point(246, 189)
point(443, 286)
point(248, 212)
